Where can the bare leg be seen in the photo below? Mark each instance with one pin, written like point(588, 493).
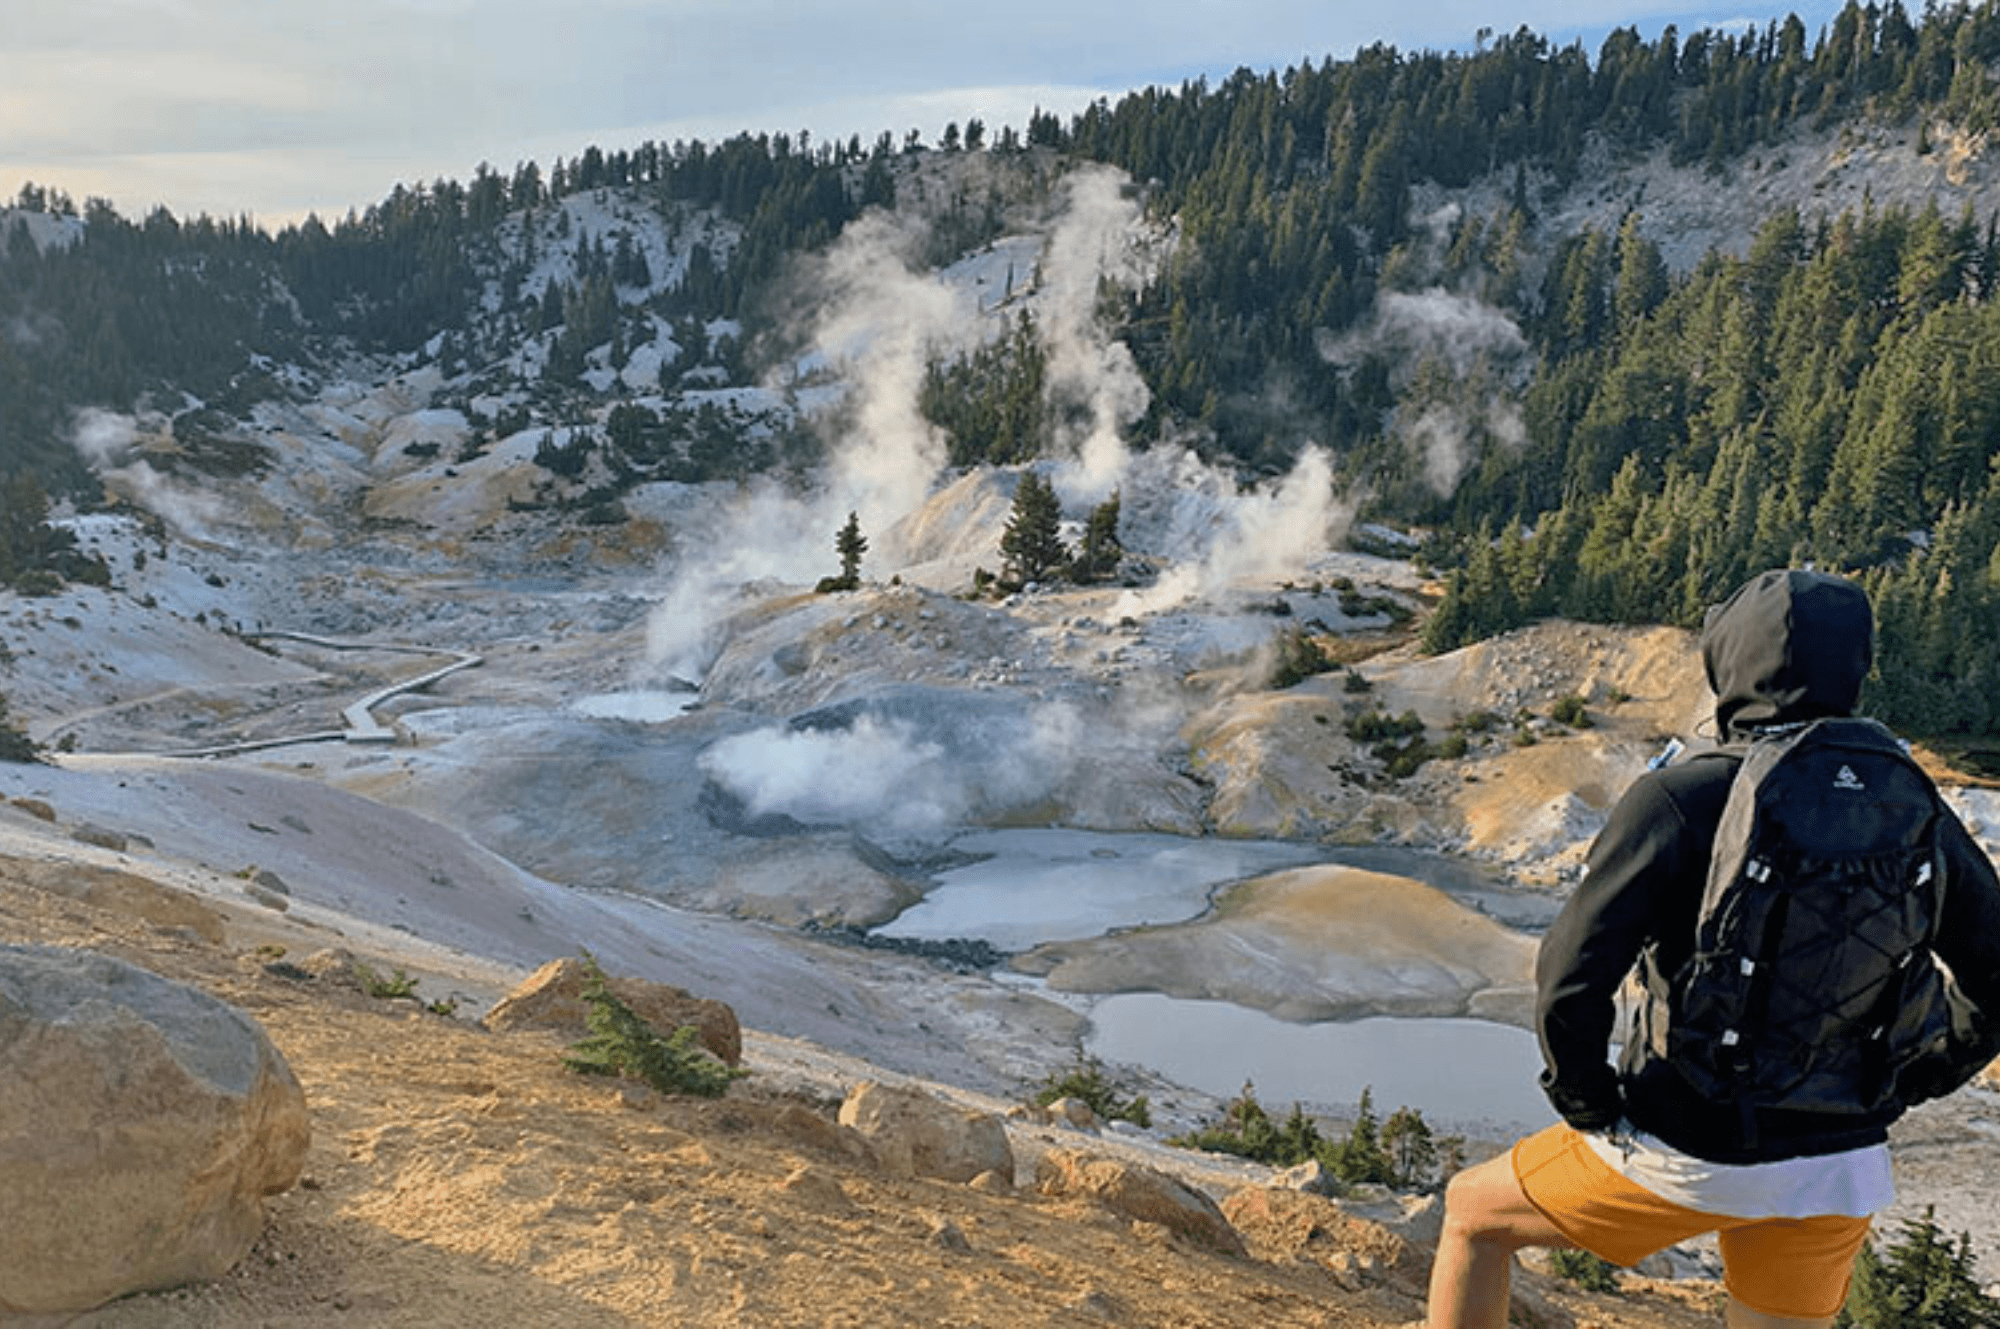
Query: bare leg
point(1487, 1218)
point(1742, 1317)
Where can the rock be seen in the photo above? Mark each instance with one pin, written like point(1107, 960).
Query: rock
point(332, 966)
point(1139, 1193)
point(1533, 1308)
point(35, 808)
point(992, 1183)
point(141, 1124)
point(270, 899)
point(1073, 1112)
point(117, 892)
point(1298, 1225)
point(1418, 1218)
point(816, 1188)
point(102, 837)
point(814, 1131)
point(551, 999)
point(921, 1136)
point(1312, 1177)
point(946, 1235)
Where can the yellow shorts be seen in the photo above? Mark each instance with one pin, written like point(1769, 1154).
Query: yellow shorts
point(1780, 1266)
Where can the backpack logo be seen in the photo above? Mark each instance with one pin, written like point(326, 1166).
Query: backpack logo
point(1848, 780)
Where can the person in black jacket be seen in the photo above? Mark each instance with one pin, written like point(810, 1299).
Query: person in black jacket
point(1640, 1160)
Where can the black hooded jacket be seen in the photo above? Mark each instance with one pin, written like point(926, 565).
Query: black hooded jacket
point(1789, 646)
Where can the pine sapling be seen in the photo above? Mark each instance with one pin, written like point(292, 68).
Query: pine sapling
point(620, 1042)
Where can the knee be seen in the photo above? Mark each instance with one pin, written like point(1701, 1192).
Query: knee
point(1476, 1215)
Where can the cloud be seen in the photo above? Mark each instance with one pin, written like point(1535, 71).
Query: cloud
point(1467, 353)
point(104, 439)
point(882, 320)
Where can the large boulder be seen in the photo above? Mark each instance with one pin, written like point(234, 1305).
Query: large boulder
point(1139, 1193)
point(141, 1124)
point(917, 1135)
point(551, 999)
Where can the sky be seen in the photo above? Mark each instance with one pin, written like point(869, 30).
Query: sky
point(274, 109)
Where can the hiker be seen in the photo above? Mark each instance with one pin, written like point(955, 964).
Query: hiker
point(1652, 1153)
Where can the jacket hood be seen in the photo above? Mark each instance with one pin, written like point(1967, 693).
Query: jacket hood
point(1788, 646)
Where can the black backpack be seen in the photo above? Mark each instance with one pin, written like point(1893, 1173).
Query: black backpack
point(1812, 985)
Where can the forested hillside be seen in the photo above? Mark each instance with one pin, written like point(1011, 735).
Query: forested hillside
point(1639, 435)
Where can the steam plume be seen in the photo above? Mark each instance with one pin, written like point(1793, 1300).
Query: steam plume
point(1468, 352)
point(1263, 535)
point(916, 774)
point(109, 442)
point(878, 320)
point(1096, 239)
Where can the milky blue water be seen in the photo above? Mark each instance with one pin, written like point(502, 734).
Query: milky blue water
point(1037, 886)
point(1055, 885)
point(644, 706)
point(1457, 1072)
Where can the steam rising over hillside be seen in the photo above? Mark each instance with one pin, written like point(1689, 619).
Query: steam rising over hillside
point(877, 320)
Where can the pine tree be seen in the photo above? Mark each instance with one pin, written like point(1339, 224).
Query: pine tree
point(1102, 550)
point(1410, 1145)
point(850, 544)
point(1923, 1281)
point(1361, 1156)
point(1031, 548)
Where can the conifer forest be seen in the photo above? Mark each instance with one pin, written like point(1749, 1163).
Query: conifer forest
point(1830, 392)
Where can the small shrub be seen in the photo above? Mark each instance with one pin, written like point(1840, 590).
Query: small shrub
point(1247, 1131)
point(621, 1043)
point(1354, 682)
point(1400, 761)
point(1372, 726)
point(15, 745)
point(1086, 1081)
point(1569, 711)
point(1299, 658)
point(1592, 1273)
point(399, 986)
point(1401, 1152)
